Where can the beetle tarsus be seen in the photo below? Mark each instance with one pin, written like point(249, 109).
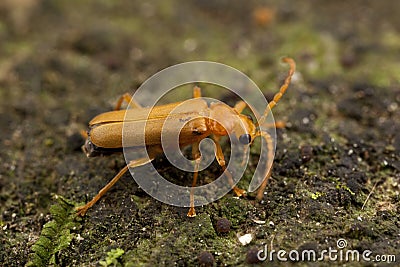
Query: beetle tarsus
point(192, 212)
point(81, 211)
point(239, 192)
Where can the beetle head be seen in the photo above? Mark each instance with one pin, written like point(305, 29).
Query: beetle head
point(245, 129)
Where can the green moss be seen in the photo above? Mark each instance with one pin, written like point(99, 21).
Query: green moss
point(345, 187)
point(112, 258)
point(316, 195)
point(181, 238)
point(56, 235)
point(234, 209)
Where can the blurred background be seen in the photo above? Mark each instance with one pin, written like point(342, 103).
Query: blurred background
point(63, 62)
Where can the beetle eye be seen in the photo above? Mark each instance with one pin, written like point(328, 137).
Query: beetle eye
point(245, 139)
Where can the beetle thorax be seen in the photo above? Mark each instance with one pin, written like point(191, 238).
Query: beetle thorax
point(223, 119)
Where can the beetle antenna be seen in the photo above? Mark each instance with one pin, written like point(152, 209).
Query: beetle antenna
point(282, 90)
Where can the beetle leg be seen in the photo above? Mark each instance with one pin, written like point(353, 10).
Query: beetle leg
point(84, 134)
point(280, 124)
point(260, 191)
point(197, 158)
point(81, 211)
point(277, 124)
point(128, 99)
point(270, 146)
point(245, 151)
point(240, 106)
point(221, 161)
point(196, 92)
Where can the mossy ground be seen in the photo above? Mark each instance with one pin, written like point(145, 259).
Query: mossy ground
point(62, 62)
